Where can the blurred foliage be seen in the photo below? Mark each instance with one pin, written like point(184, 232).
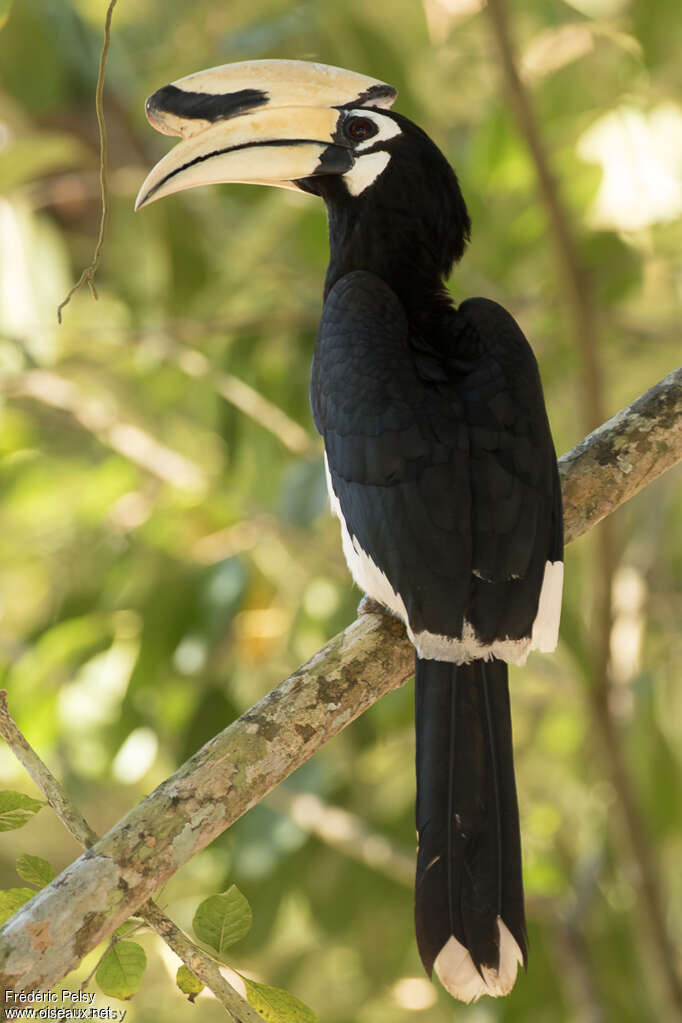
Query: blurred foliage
point(165, 552)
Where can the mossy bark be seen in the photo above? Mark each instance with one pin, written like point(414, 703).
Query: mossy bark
point(49, 936)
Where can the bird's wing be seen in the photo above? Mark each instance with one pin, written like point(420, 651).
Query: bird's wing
point(516, 496)
point(440, 460)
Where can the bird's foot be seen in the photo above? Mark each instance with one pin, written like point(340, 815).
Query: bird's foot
point(370, 606)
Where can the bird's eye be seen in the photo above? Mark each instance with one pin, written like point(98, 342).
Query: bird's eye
point(360, 128)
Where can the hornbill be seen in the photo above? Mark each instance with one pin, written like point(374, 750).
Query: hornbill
point(439, 459)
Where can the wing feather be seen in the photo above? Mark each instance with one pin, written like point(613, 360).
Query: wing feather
point(440, 456)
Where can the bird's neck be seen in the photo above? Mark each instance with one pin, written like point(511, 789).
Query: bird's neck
point(394, 247)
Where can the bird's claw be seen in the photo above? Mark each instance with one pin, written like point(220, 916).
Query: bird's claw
point(370, 606)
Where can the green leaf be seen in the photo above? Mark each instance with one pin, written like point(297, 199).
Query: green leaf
point(120, 972)
point(188, 983)
point(127, 927)
point(222, 920)
point(16, 809)
point(276, 1005)
point(35, 870)
point(5, 7)
point(12, 899)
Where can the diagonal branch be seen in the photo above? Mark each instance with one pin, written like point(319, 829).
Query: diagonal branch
point(582, 313)
point(622, 456)
point(233, 771)
point(194, 958)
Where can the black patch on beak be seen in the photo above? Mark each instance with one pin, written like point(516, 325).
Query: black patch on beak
point(375, 92)
point(204, 106)
point(335, 160)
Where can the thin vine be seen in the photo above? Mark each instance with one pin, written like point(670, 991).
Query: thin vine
point(88, 274)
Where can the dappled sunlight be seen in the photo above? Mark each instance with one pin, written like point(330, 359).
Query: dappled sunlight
point(627, 636)
point(258, 630)
point(167, 554)
point(94, 696)
point(414, 993)
point(641, 158)
point(135, 756)
point(32, 274)
point(441, 15)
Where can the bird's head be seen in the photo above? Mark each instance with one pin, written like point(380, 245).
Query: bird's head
point(393, 201)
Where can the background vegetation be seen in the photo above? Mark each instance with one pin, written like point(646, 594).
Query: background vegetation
point(165, 551)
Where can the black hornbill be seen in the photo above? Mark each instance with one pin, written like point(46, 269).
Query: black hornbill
point(439, 458)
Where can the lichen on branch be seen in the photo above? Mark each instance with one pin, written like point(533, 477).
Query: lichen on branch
point(241, 764)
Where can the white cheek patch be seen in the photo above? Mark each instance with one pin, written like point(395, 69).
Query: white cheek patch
point(388, 129)
point(368, 167)
point(366, 170)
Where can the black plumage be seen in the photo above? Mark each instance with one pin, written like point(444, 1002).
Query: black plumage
point(440, 455)
point(443, 472)
point(441, 466)
point(469, 861)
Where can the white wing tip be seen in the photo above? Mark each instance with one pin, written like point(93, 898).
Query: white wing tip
point(546, 625)
point(459, 976)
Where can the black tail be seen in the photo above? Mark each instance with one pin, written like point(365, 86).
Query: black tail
point(469, 862)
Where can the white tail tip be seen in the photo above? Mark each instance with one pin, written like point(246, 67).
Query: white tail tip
point(459, 976)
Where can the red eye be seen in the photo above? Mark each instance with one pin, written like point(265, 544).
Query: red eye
point(360, 128)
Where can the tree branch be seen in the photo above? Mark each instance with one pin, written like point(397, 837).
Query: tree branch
point(622, 456)
point(582, 313)
point(233, 771)
point(194, 958)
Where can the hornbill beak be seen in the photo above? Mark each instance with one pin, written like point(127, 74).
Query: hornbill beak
point(268, 122)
